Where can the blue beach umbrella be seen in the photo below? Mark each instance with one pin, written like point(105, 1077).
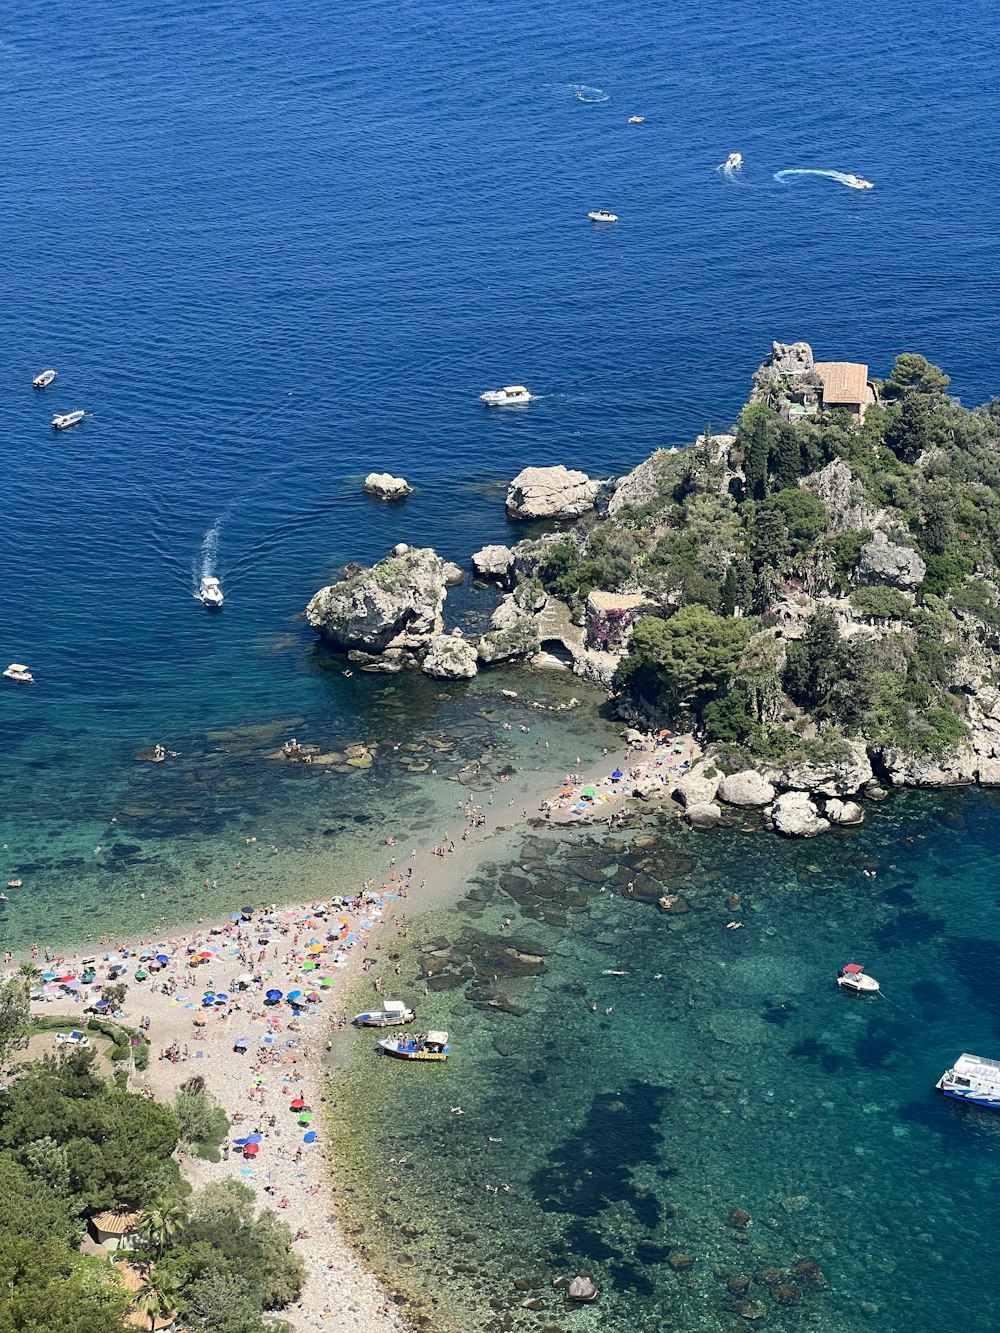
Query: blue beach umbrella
point(310, 1137)
point(273, 996)
point(294, 994)
point(162, 958)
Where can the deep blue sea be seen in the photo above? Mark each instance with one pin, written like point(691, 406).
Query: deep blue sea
point(269, 248)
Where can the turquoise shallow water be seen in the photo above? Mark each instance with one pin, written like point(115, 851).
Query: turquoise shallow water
point(739, 1077)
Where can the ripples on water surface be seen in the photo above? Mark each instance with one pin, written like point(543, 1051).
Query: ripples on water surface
point(270, 250)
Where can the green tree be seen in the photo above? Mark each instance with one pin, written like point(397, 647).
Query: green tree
point(804, 516)
point(911, 371)
point(225, 1303)
point(786, 458)
point(256, 1245)
point(158, 1297)
point(162, 1224)
point(755, 433)
point(768, 539)
point(201, 1119)
point(912, 428)
point(686, 659)
point(814, 663)
point(29, 974)
point(14, 1015)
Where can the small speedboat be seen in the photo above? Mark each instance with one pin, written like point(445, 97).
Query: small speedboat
point(68, 419)
point(393, 1013)
point(602, 215)
point(43, 379)
point(17, 671)
point(857, 182)
point(733, 162)
point(636, 120)
point(430, 1046)
point(853, 977)
point(972, 1079)
point(510, 396)
point(210, 592)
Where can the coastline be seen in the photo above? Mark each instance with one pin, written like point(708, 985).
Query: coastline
point(341, 1291)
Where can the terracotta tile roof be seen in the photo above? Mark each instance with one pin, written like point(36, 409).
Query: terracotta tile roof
point(843, 382)
point(116, 1223)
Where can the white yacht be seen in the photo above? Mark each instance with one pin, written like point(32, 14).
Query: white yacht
point(43, 379)
point(857, 182)
point(19, 672)
point(972, 1079)
point(210, 592)
point(602, 215)
point(636, 120)
point(853, 977)
point(68, 419)
point(733, 162)
point(510, 396)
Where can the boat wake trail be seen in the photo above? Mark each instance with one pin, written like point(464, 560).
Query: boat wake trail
point(203, 565)
point(585, 93)
point(841, 177)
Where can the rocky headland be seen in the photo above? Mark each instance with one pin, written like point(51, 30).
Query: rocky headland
point(816, 593)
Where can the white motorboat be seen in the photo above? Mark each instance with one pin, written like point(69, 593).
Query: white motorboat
point(513, 395)
point(857, 182)
point(210, 592)
point(68, 419)
point(43, 379)
point(853, 977)
point(636, 120)
point(602, 215)
point(733, 162)
point(393, 1013)
point(972, 1079)
point(17, 671)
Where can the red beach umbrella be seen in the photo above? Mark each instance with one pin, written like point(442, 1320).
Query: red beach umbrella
point(251, 1150)
point(297, 1104)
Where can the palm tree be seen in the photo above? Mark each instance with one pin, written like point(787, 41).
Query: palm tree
point(157, 1298)
point(30, 974)
point(162, 1223)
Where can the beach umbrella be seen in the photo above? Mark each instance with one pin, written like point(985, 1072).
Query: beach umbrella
point(294, 995)
point(297, 1105)
point(617, 775)
point(241, 1043)
point(251, 1150)
point(272, 996)
point(308, 967)
point(142, 974)
point(199, 1020)
point(254, 1138)
point(306, 1118)
point(326, 981)
point(221, 997)
point(312, 997)
point(240, 1143)
point(310, 1137)
point(590, 792)
point(162, 958)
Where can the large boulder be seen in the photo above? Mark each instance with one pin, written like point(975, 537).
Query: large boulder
point(883, 561)
point(746, 788)
point(842, 775)
point(581, 1288)
point(699, 785)
point(844, 812)
point(551, 492)
point(384, 486)
point(450, 657)
point(704, 814)
point(506, 645)
point(395, 604)
point(494, 562)
point(794, 814)
point(844, 496)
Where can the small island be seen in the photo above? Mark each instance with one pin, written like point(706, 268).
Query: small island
point(815, 593)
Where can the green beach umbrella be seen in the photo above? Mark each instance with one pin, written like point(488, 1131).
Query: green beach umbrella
point(305, 1118)
point(589, 791)
point(307, 967)
point(326, 981)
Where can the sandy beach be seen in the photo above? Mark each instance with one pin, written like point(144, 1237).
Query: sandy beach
point(264, 1058)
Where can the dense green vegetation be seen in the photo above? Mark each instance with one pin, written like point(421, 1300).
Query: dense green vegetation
point(756, 570)
point(73, 1144)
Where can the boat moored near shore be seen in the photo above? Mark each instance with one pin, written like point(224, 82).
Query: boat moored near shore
point(972, 1079)
point(43, 379)
point(393, 1013)
point(429, 1046)
point(853, 977)
point(602, 215)
point(68, 419)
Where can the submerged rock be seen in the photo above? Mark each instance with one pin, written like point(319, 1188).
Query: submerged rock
point(581, 1288)
point(551, 492)
point(844, 812)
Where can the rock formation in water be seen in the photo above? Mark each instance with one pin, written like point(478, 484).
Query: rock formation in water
point(384, 486)
point(397, 604)
point(450, 657)
point(551, 492)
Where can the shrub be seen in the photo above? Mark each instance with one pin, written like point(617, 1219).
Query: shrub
point(881, 603)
